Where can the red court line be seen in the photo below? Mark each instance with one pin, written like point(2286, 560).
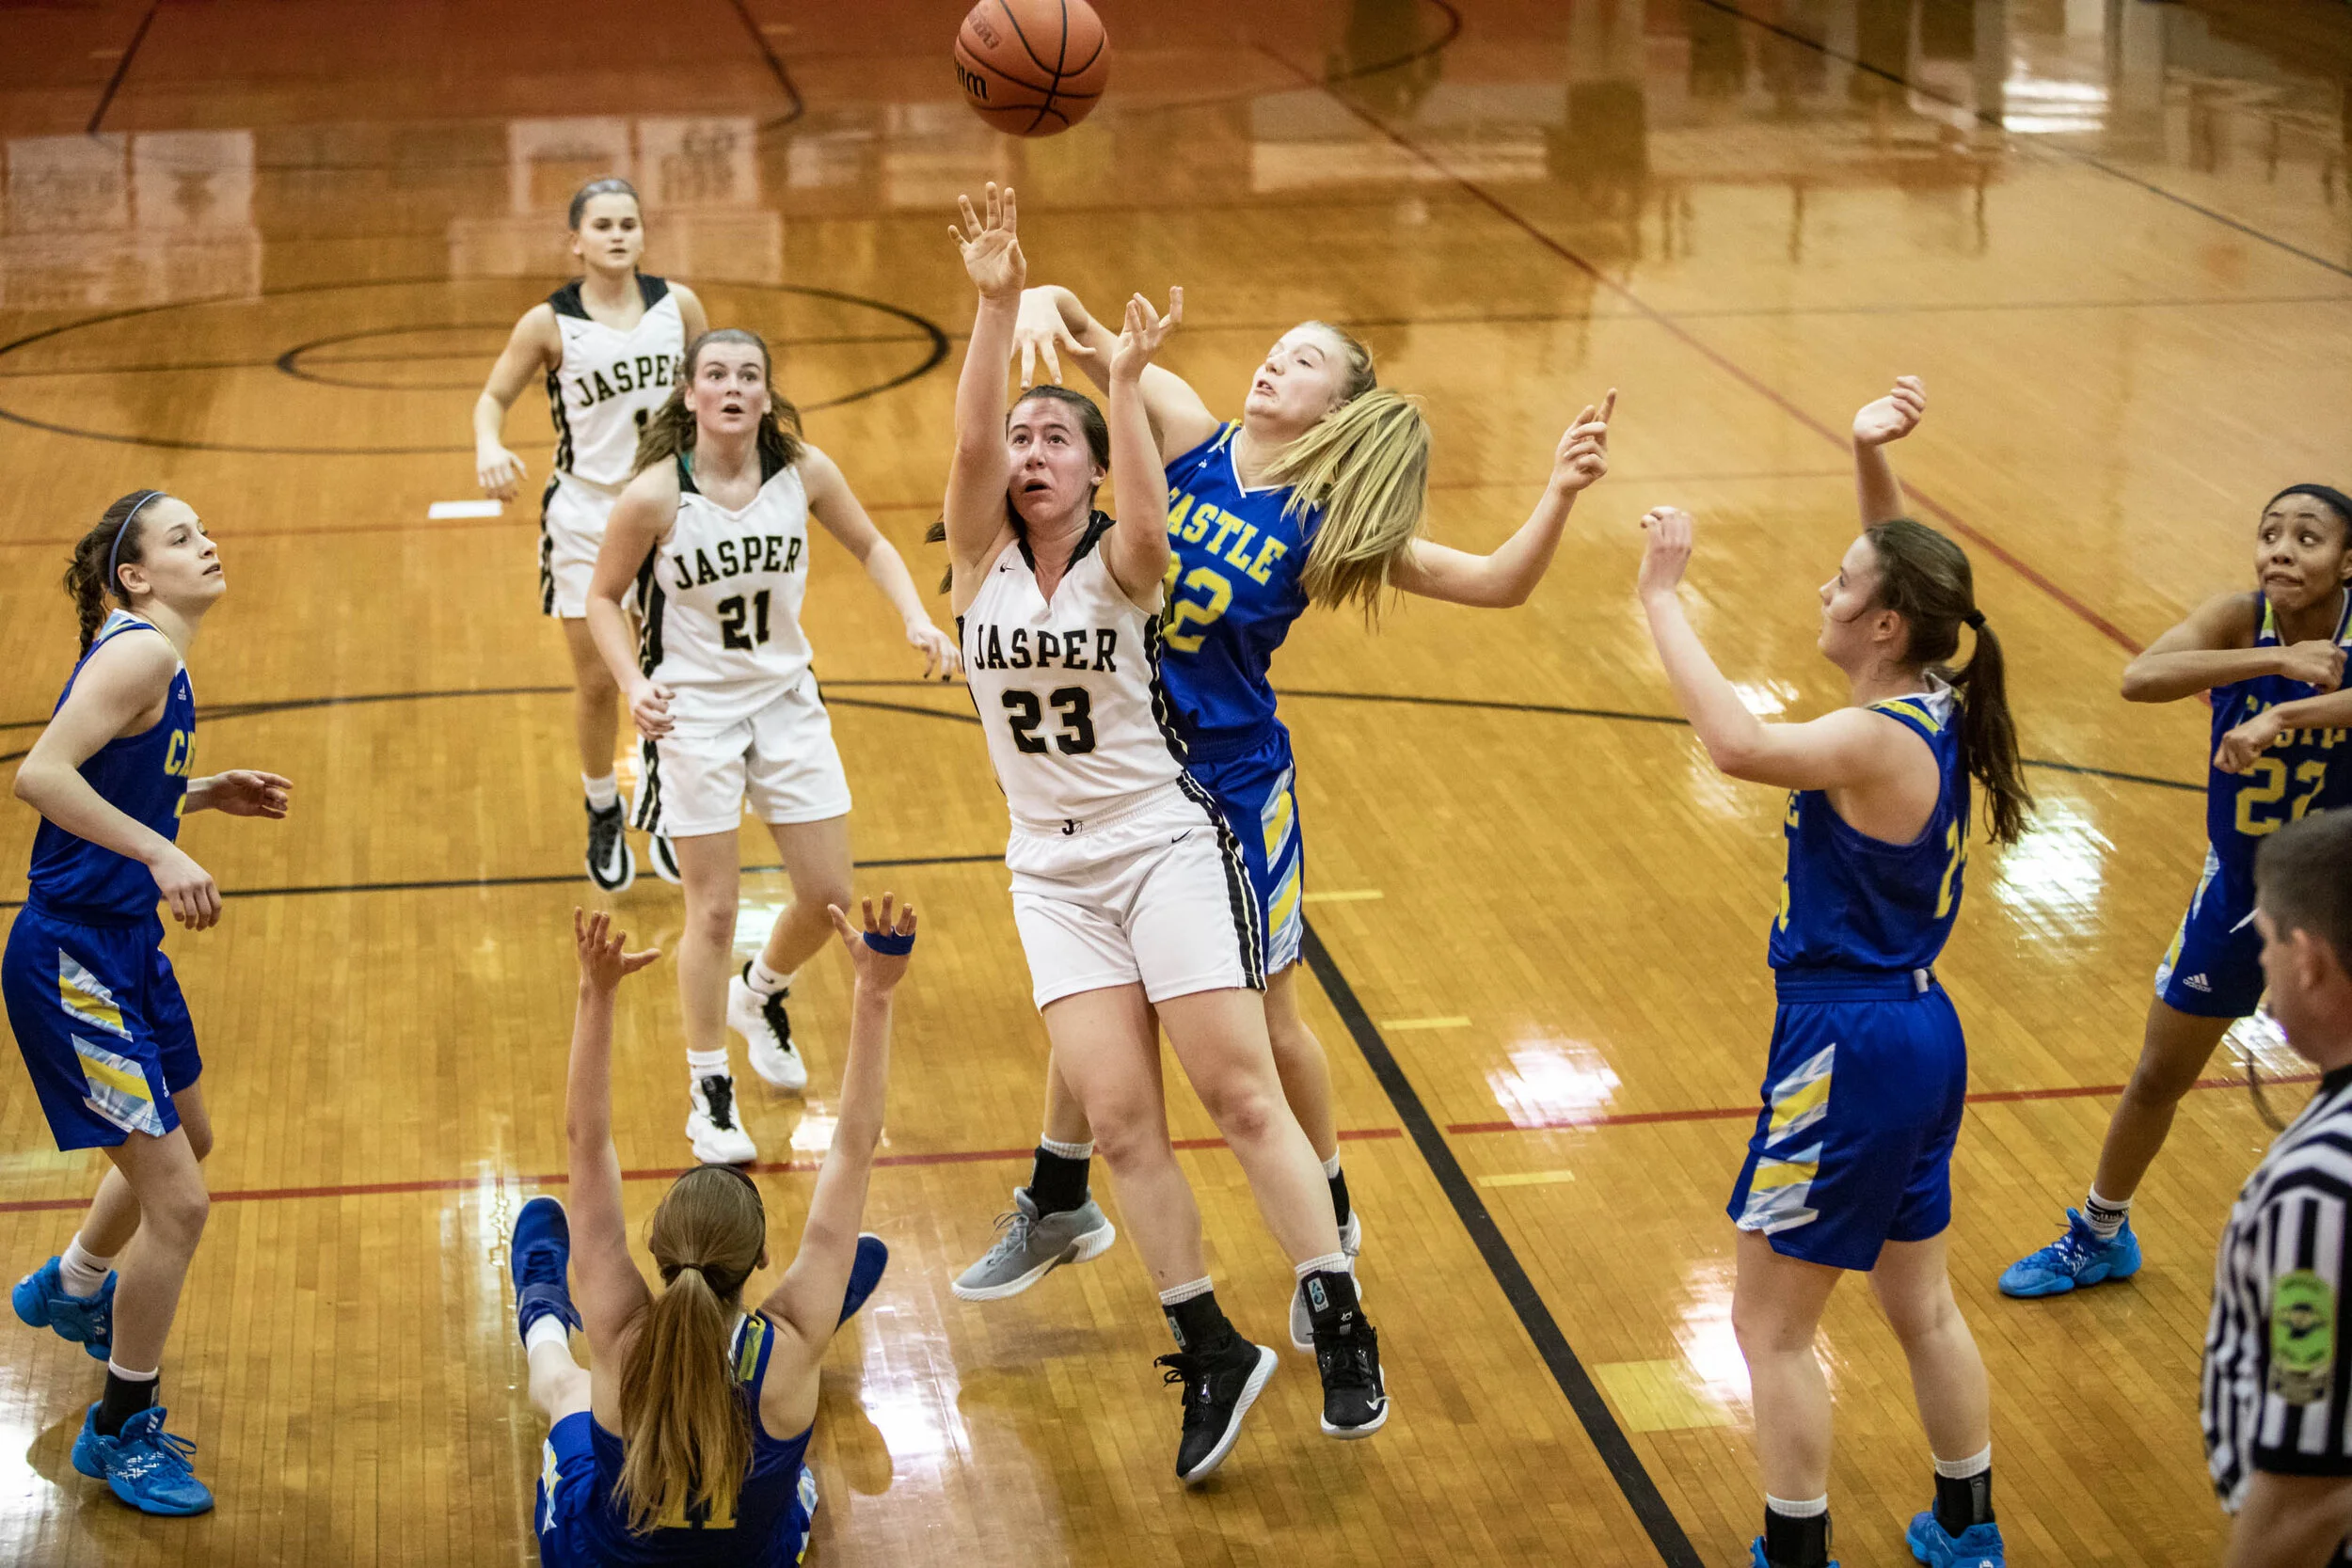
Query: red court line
point(1715, 356)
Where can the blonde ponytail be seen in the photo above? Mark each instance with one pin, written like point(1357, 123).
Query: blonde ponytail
point(1365, 465)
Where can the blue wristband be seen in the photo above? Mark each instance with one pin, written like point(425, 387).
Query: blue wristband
point(891, 943)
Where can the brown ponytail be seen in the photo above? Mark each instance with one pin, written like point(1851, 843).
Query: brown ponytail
point(685, 1439)
point(1925, 577)
point(670, 429)
point(117, 540)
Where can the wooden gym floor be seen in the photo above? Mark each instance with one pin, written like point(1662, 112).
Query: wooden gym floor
point(262, 254)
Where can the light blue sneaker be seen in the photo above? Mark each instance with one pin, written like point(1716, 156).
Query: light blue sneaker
point(1978, 1547)
point(147, 1467)
point(40, 1299)
point(1758, 1560)
point(2077, 1257)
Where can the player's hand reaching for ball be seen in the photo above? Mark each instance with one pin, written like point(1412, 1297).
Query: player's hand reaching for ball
point(1582, 456)
point(992, 244)
point(2317, 663)
point(1041, 333)
point(1665, 551)
point(187, 887)
point(1894, 415)
point(649, 709)
point(1142, 333)
point(880, 951)
point(604, 958)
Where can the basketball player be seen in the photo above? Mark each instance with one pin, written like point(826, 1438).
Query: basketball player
point(95, 1006)
point(711, 537)
point(1316, 496)
point(667, 1450)
point(1850, 1166)
point(1128, 887)
point(2272, 658)
point(608, 344)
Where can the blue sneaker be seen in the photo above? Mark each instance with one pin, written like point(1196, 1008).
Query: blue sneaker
point(147, 1467)
point(40, 1299)
point(1758, 1560)
point(2077, 1257)
point(538, 1257)
point(873, 1256)
point(1978, 1547)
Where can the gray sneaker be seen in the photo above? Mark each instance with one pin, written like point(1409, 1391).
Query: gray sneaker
point(1302, 1322)
point(1031, 1247)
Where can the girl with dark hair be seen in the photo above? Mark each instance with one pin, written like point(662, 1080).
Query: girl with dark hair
point(686, 1440)
point(2272, 657)
point(93, 1002)
point(1316, 496)
point(609, 345)
point(710, 542)
point(1849, 1167)
point(1130, 891)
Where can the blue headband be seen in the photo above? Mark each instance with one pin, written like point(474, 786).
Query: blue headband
point(114, 554)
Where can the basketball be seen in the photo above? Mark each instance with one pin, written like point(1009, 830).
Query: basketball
point(1033, 68)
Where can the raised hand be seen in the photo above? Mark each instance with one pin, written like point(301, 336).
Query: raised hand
point(2318, 663)
point(1665, 550)
point(1894, 415)
point(244, 793)
point(604, 958)
point(1041, 332)
point(1582, 456)
point(876, 970)
point(992, 244)
point(1142, 333)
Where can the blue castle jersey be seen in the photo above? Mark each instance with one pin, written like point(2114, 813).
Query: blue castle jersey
point(145, 776)
point(2304, 770)
point(1233, 592)
point(1854, 902)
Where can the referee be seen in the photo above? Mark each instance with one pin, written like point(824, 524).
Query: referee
point(2278, 1382)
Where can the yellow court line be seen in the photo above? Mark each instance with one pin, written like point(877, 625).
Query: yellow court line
point(1424, 1023)
point(1347, 896)
point(1527, 1178)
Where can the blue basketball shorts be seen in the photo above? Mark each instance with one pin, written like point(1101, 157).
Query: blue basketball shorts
point(570, 1487)
point(1257, 793)
point(1853, 1148)
point(104, 1031)
point(2214, 968)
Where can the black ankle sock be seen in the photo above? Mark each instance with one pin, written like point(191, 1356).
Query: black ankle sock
point(1963, 1500)
point(124, 1398)
point(1791, 1543)
point(1330, 1298)
point(1338, 1198)
point(1198, 1324)
point(1057, 1183)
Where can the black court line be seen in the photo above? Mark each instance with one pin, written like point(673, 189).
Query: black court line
point(443, 884)
point(2088, 160)
point(776, 66)
point(1592, 1411)
point(122, 69)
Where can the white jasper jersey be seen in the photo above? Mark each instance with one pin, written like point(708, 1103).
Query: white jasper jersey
point(719, 600)
point(611, 382)
point(1069, 691)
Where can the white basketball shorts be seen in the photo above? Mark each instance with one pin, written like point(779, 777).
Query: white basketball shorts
point(572, 517)
point(1157, 893)
point(781, 762)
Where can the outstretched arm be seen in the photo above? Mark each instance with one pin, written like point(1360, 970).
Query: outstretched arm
point(1837, 751)
point(835, 505)
point(608, 1290)
point(532, 348)
point(977, 476)
point(1137, 549)
point(1876, 424)
point(808, 1299)
point(1510, 574)
point(1052, 318)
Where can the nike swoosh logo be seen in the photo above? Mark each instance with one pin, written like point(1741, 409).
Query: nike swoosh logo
point(1181, 837)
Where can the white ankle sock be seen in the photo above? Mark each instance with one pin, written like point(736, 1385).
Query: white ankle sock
point(1176, 1295)
point(1331, 1168)
point(128, 1376)
point(2105, 1216)
point(1960, 1469)
point(549, 1330)
point(765, 981)
point(603, 794)
point(82, 1272)
point(1811, 1508)
point(702, 1063)
point(1330, 1262)
point(1068, 1151)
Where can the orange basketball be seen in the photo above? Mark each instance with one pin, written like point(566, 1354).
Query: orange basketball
point(1034, 68)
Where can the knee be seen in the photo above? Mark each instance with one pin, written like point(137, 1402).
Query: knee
point(712, 923)
point(2157, 1081)
point(1762, 1332)
point(176, 1216)
point(1246, 1113)
point(817, 892)
point(1125, 1130)
point(1916, 1319)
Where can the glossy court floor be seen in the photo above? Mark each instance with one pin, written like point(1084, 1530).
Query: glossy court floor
point(261, 254)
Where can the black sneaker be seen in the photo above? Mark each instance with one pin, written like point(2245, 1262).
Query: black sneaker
point(611, 865)
point(1354, 1399)
point(1220, 1385)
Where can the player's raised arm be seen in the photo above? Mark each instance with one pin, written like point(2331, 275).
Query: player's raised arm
point(1505, 577)
point(1137, 549)
point(836, 506)
point(977, 475)
point(1876, 426)
point(1053, 322)
point(611, 1291)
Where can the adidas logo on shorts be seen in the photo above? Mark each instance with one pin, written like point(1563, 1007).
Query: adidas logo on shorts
point(2197, 982)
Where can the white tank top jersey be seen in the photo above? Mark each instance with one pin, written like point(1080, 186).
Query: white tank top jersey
point(719, 601)
point(1069, 691)
point(611, 382)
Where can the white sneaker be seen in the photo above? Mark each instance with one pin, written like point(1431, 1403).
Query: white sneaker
point(1351, 1243)
point(713, 1125)
point(761, 1020)
point(662, 856)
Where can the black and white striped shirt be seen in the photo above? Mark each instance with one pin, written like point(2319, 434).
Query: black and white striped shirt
point(2278, 1384)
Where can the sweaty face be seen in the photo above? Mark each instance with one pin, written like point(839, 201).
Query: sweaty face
point(612, 233)
point(179, 564)
point(1053, 469)
point(727, 392)
point(1849, 610)
point(2301, 552)
point(1300, 379)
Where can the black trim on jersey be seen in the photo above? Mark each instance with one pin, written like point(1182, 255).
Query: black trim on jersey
point(647, 816)
point(1098, 524)
point(653, 291)
point(770, 467)
point(566, 301)
point(562, 425)
point(651, 603)
point(686, 486)
point(546, 539)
